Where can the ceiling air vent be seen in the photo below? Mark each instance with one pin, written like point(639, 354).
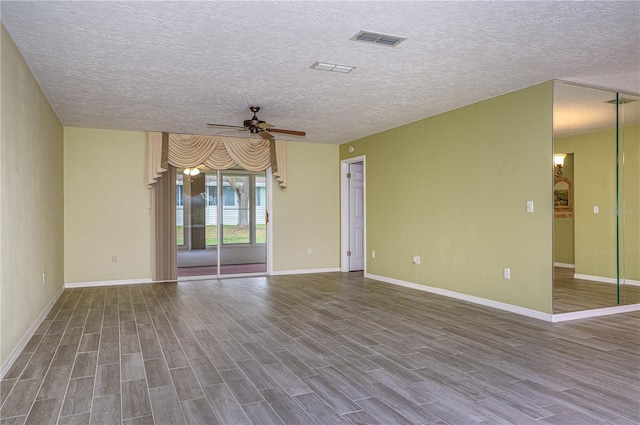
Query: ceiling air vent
point(620, 101)
point(378, 38)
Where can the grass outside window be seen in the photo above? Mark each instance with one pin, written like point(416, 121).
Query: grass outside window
point(232, 234)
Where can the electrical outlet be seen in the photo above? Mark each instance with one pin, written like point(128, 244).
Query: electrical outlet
point(44, 277)
point(529, 206)
point(309, 251)
point(373, 254)
point(416, 259)
point(114, 258)
point(507, 273)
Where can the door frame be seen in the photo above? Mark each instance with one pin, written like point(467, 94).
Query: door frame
point(269, 244)
point(344, 211)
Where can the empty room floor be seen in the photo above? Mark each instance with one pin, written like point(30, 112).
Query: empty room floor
point(570, 294)
point(315, 349)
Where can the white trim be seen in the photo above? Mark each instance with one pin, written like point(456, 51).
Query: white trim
point(606, 279)
point(11, 358)
point(565, 265)
point(344, 211)
point(112, 283)
point(464, 297)
point(305, 271)
point(563, 317)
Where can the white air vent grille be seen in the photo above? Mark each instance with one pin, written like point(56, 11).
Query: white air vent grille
point(323, 66)
point(620, 101)
point(378, 38)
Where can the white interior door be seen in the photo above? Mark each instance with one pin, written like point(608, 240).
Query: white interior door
point(356, 216)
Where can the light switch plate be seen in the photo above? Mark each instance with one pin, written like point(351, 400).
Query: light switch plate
point(529, 206)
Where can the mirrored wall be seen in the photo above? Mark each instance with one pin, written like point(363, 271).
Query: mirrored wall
point(596, 198)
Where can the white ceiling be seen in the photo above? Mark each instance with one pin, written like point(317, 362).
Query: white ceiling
point(174, 66)
point(578, 109)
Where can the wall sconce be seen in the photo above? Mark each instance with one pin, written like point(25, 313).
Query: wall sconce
point(558, 162)
point(192, 171)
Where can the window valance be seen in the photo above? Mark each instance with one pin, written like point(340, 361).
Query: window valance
point(215, 152)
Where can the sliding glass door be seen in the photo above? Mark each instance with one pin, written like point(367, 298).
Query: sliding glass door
point(243, 235)
point(221, 223)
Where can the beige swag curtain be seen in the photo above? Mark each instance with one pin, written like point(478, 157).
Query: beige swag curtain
point(217, 153)
point(168, 151)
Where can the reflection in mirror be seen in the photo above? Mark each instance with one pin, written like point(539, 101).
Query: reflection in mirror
point(596, 252)
point(629, 198)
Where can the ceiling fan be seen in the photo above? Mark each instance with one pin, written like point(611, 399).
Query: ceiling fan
point(256, 126)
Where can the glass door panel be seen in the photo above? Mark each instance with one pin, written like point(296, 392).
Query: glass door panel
point(180, 211)
point(243, 243)
point(211, 209)
point(261, 209)
point(197, 250)
point(221, 222)
point(584, 193)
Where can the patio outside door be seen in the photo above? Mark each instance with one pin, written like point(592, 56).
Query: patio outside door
point(221, 223)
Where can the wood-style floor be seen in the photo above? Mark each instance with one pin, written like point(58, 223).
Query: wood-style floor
point(316, 349)
point(571, 294)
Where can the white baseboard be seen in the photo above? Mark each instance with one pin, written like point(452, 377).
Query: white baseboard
point(565, 265)
point(28, 334)
point(305, 271)
point(605, 279)
point(464, 297)
point(574, 315)
point(108, 283)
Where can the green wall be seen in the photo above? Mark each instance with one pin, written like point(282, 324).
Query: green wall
point(453, 189)
point(594, 184)
point(563, 235)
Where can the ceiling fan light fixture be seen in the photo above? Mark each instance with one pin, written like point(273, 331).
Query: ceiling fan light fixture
point(192, 171)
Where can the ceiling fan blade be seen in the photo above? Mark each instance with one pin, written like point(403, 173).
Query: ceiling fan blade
point(265, 135)
point(229, 132)
point(265, 125)
point(224, 125)
point(292, 132)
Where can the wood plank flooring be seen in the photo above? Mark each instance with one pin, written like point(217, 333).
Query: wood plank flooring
point(315, 349)
point(571, 294)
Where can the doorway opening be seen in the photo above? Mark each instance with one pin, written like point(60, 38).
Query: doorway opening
point(221, 223)
point(353, 220)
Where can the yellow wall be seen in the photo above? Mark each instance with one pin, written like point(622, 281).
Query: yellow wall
point(31, 199)
point(631, 205)
point(453, 189)
point(107, 213)
point(107, 205)
point(563, 234)
point(594, 157)
point(307, 214)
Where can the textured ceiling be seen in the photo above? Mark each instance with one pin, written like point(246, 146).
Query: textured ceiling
point(174, 66)
point(578, 109)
